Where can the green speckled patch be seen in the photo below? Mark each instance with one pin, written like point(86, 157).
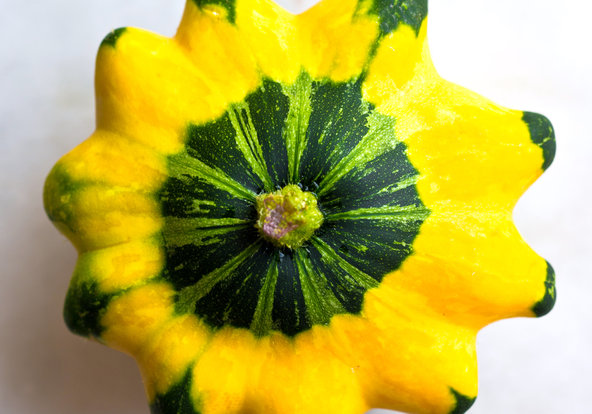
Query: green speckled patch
point(57, 196)
point(463, 403)
point(176, 400)
point(394, 12)
point(323, 137)
point(542, 134)
point(229, 5)
point(112, 37)
point(545, 305)
point(84, 307)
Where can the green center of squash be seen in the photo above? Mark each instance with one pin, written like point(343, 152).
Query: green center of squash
point(288, 217)
point(242, 253)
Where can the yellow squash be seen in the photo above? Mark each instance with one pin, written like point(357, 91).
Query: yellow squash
point(288, 214)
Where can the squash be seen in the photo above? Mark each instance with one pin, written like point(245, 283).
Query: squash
point(286, 213)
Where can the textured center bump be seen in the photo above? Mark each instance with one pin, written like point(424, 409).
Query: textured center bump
point(288, 217)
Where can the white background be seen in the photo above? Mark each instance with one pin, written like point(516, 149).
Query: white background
point(531, 55)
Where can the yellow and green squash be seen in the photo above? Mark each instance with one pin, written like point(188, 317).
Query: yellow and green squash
point(288, 214)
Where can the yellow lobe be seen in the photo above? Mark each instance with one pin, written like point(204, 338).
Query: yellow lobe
point(132, 319)
point(169, 354)
point(125, 265)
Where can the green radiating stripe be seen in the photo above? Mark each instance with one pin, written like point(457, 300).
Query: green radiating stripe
point(200, 231)
point(333, 259)
point(399, 196)
point(234, 301)
point(289, 308)
point(378, 140)
point(297, 123)
point(269, 107)
point(263, 316)
point(337, 123)
point(248, 142)
point(188, 297)
point(183, 164)
point(375, 246)
point(386, 213)
point(321, 303)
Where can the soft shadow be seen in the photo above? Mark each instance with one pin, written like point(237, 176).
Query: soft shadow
point(50, 370)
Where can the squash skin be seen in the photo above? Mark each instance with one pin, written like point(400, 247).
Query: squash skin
point(418, 349)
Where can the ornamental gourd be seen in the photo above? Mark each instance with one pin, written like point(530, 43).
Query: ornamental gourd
point(285, 213)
